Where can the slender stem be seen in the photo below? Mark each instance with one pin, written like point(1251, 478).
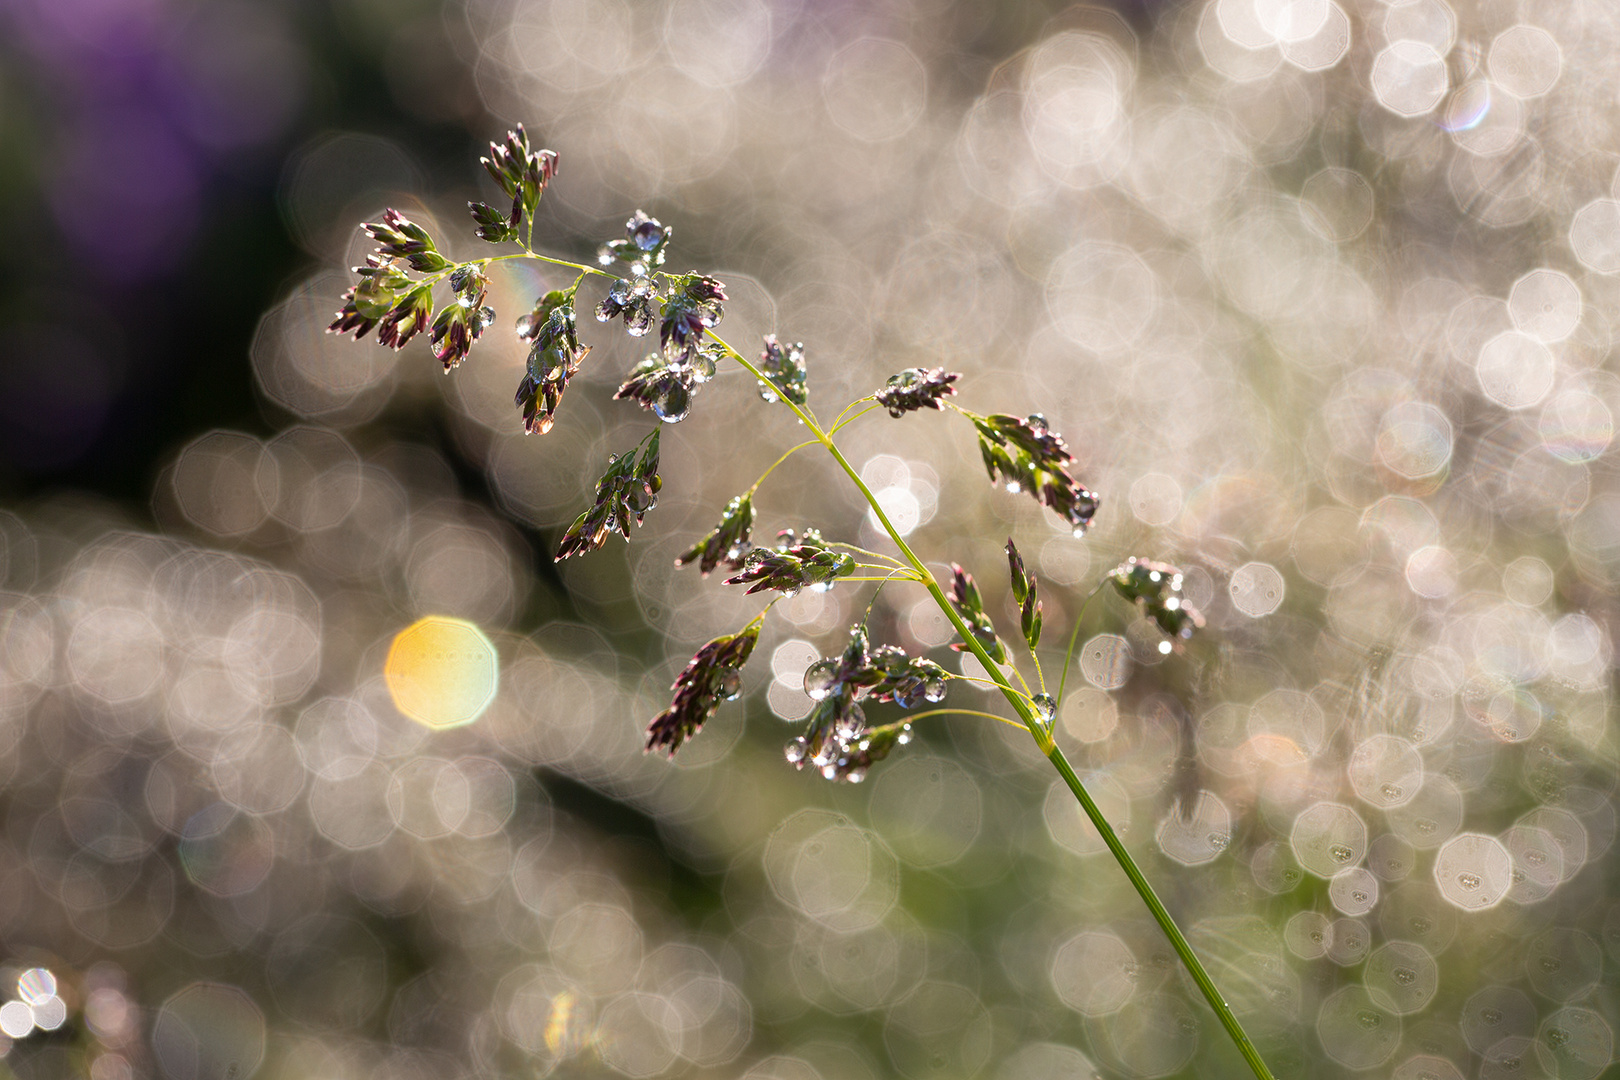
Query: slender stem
point(785, 455)
point(988, 684)
point(1019, 675)
point(863, 551)
point(1168, 924)
point(1074, 635)
point(843, 421)
point(962, 712)
point(1043, 739)
point(583, 268)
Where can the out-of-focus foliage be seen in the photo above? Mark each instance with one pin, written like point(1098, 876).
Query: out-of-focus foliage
point(1321, 294)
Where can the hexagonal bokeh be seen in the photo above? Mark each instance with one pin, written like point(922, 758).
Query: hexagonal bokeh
point(442, 672)
point(209, 1031)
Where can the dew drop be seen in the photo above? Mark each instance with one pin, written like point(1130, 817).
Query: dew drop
point(672, 403)
point(819, 679)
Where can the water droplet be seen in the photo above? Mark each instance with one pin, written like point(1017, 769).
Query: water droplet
point(819, 679)
point(1045, 709)
point(904, 737)
point(526, 326)
point(855, 775)
point(641, 498)
point(934, 689)
point(795, 751)
point(730, 684)
point(672, 402)
point(553, 366)
point(648, 235)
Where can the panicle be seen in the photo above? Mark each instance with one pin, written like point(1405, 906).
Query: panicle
point(916, 388)
point(1156, 588)
point(712, 676)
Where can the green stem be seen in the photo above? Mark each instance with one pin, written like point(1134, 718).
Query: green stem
point(1168, 924)
point(843, 420)
point(863, 551)
point(1043, 739)
point(961, 712)
point(1074, 635)
point(890, 576)
point(786, 454)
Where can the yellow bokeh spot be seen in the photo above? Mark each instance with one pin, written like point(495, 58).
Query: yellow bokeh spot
point(441, 672)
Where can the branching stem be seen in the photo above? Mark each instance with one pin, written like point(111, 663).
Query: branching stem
point(1019, 701)
point(1043, 739)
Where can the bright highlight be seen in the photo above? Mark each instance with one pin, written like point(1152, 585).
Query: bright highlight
point(442, 672)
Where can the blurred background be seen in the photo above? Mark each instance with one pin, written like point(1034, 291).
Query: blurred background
point(1320, 292)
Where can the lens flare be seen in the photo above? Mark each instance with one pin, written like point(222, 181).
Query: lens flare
point(441, 672)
